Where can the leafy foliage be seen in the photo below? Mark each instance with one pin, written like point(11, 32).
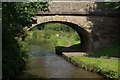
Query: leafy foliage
point(47, 32)
point(53, 26)
point(17, 15)
point(113, 5)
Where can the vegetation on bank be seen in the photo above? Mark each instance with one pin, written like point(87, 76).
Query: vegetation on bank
point(108, 51)
point(113, 5)
point(105, 60)
point(15, 16)
point(107, 67)
point(47, 32)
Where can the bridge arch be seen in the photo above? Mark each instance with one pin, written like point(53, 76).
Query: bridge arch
point(94, 21)
point(84, 35)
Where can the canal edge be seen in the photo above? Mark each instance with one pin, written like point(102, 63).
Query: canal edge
point(80, 65)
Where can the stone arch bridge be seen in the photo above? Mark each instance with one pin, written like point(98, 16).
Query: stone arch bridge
point(95, 25)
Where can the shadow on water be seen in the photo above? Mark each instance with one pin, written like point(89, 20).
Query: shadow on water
point(47, 65)
point(27, 75)
point(73, 48)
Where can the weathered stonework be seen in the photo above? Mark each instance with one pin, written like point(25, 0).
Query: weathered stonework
point(78, 7)
point(94, 31)
point(78, 20)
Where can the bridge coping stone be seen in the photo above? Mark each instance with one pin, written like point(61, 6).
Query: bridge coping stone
point(78, 7)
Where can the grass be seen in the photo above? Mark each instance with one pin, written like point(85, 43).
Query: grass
point(50, 36)
point(47, 32)
point(93, 59)
point(109, 67)
point(106, 52)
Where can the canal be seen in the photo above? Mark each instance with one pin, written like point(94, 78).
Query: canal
point(46, 64)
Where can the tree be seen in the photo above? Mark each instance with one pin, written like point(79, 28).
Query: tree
point(113, 5)
point(16, 16)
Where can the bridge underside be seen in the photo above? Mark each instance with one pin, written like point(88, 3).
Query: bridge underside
point(94, 31)
point(95, 25)
point(83, 34)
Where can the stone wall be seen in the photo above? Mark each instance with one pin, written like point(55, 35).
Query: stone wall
point(78, 7)
point(78, 20)
point(95, 25)
point(98, 30)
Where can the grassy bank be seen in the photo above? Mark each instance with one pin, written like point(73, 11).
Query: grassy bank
point(104, 60)
point(47, 33)
point(107, 67)
point(108, 51)
point(50, 36)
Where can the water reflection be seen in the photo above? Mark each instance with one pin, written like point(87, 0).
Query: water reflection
point(46, 64)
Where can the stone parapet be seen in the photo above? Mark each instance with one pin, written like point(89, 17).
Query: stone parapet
point(78, 7)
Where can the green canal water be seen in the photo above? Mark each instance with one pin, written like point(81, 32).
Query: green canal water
point(46, 64)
